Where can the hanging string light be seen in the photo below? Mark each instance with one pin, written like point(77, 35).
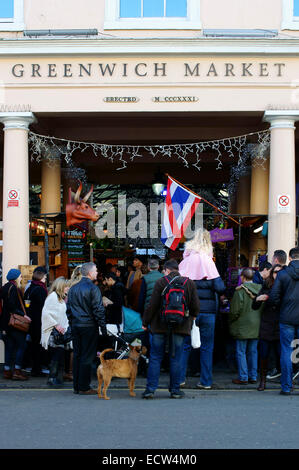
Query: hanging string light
point(234, 147)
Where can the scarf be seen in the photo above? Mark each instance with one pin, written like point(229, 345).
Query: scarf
point(40, 284)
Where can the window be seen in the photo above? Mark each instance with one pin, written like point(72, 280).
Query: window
point(7, 10)
point(153, 8)
point(11, 15)
point(290, 13)
point(296, 8)
point(152, 14)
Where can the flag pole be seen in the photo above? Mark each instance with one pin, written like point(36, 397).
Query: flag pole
point(197, 195)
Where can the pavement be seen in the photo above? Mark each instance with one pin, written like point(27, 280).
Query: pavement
point(222, 380)
point(218, 419)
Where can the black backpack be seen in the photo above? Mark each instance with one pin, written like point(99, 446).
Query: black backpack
point(174, 309)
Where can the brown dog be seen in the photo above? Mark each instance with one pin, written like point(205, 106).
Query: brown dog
point(124, 368)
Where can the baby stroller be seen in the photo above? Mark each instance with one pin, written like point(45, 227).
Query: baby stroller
point(131, 333)
point(132, 325)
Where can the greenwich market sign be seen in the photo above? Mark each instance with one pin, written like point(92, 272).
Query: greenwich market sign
point(142, 69)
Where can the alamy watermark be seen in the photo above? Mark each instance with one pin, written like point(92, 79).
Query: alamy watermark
point(137, 220)
point(295, 353)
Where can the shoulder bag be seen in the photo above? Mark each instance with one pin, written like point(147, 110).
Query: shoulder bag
point(60, 338)
point(18, 321)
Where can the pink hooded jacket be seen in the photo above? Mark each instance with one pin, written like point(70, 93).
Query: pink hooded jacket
point(198, 265)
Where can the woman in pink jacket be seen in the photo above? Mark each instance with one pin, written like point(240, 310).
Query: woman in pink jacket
point(199, 266)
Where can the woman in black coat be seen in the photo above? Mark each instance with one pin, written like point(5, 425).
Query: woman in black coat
point(269, 327)
point(37, 294)
point(14, 340)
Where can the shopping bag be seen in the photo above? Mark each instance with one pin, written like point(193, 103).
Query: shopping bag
point(195, 336)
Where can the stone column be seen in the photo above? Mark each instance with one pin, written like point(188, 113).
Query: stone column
point(243, 195)
point(51, 185)
point(282, 225)
point(259, 195)
point(51, 193)
point(15, 190)
point(259, 201)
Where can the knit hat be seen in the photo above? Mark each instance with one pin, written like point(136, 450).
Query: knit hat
point(13, 274)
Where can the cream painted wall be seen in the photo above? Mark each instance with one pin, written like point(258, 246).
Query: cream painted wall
point(64, 14)
point(75, 14)
point(238, 14)
point(66, 90)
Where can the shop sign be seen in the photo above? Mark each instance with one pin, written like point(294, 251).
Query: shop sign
point(127, 70)
point(175, 99)
point(284, 203)
point(74, 241)
point(222, 235)
point(13, 199)
point(121, 99)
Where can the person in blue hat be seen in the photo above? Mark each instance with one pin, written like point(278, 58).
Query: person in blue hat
point(14, 340)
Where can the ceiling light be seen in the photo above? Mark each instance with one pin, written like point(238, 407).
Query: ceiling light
point(158, 184)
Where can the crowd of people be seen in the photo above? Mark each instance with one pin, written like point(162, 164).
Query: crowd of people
point(74, 319)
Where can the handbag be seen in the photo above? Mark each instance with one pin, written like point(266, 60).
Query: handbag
point(19, 322)
point(195, 336)
point(60, 339)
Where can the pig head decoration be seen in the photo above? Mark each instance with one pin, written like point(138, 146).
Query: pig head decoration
point(77, 209)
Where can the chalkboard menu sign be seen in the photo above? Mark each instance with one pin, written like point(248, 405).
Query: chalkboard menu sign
point(33, 261)
point(74, 241)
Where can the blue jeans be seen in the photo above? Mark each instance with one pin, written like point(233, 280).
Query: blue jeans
point(287, 334)
point(15, 344)
point(206, 323)
point(246, 355)
point(185, 358)
point(156, 357)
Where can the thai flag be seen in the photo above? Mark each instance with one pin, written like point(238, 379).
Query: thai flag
point(180, 206)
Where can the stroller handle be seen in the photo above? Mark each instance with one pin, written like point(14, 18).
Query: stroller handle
point(118, 337)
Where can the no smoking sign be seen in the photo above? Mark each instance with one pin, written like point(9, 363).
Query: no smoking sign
point(13, 199)
point(284, 203)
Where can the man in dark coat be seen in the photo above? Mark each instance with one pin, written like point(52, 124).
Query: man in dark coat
point(86, 313)
point(279, 257)
point(285, 294)
point(160, 332)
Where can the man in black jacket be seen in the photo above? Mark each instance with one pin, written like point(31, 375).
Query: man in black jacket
point(86, 313)
point(285, 294)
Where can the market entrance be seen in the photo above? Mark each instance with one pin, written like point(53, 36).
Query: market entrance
point(159, 144)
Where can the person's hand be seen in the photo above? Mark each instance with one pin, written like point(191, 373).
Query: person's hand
point(27, 318)
point(262, 298)
point(60, 329)
point(144, 328)
point(104, 331)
